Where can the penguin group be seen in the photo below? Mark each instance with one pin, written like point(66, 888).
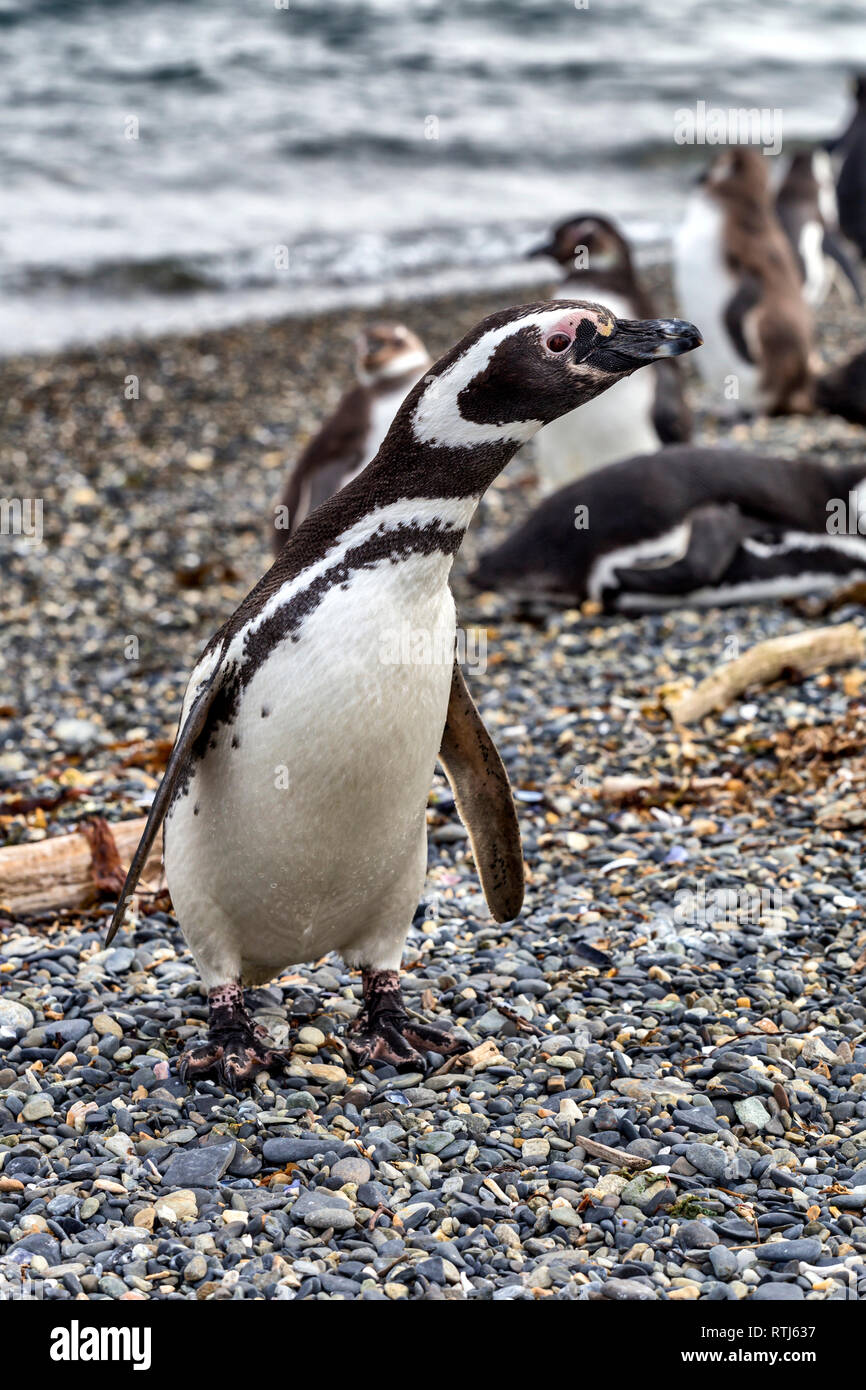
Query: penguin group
point(268, 870)
point(756, 254)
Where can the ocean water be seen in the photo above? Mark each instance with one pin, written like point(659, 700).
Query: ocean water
point(176, 163)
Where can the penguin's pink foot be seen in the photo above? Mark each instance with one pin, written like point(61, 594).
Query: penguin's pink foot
point(235, 1051)
point(384, 1032)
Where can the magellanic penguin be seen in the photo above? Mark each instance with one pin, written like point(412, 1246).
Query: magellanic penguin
point(640, 413)
point(689, 526)
point(850, 148)
point(736, 275)
point(806, 207)
point(390, 359)
point(295, 797)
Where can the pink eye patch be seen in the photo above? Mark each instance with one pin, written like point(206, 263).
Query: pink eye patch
point(573, 327)
point(561, 335)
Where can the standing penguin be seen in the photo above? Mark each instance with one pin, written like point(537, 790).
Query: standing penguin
point(806, 207)
point(639, 414)
point(851, 184)
point(390, 359)
point(736, 275)
point(294, 799)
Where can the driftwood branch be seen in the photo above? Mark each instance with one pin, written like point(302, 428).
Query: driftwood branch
point(617, 1157)
point(72, 870)
point(630, 790)
point(800, 654)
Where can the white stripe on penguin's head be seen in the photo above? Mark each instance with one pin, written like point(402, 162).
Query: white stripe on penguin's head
point(525, 367)
point(438, 419)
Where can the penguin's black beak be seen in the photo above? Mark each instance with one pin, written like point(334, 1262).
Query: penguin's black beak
point(634, 342)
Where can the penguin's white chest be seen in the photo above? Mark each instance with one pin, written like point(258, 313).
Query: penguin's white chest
point(303, 829)
point(612, 426)
point(818, 270)
point(704, 288)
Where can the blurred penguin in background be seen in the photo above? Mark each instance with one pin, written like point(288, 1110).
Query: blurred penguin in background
point(850, 149)
point(736, 276)
point(638, 414)
point(807, 209)
point(390, 360)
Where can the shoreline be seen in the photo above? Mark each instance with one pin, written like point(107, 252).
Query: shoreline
point(270, 305)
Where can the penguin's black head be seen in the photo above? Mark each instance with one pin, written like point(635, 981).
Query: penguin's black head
point(523, 367)
point(587, 243)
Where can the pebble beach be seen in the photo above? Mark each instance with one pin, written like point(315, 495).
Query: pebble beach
point(663, 1092)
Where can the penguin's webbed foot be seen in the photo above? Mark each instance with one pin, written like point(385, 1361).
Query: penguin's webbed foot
point(384, 1032)
point(235, 1050)
point(233, 1062)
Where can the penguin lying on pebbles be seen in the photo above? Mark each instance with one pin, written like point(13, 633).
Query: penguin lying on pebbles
point(806, 207)
point(640, 413)
point(689, 526)
point(391, 358)
point(736, 275)
point(842, 390)
point(295, 797)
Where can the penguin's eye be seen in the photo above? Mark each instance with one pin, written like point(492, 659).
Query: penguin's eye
point(558, 342)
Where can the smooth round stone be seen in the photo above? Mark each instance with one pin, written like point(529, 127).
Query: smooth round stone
point(15, 1015)
point(696, 1235)
point(356, 1170)
point(780, 1251)
point(332, 1217)
point(723, 1261)
point(38, 1108)
point(778, 1293)
point(195, 1269)
point(106, 1026)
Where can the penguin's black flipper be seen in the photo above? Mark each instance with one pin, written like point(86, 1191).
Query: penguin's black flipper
point(835, 251)
point(672, 417)
point(192, 727)
point(738, 307)
point(714, 538)
point(484, 802)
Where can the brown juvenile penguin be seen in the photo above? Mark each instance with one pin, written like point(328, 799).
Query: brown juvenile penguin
point(736, 275)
